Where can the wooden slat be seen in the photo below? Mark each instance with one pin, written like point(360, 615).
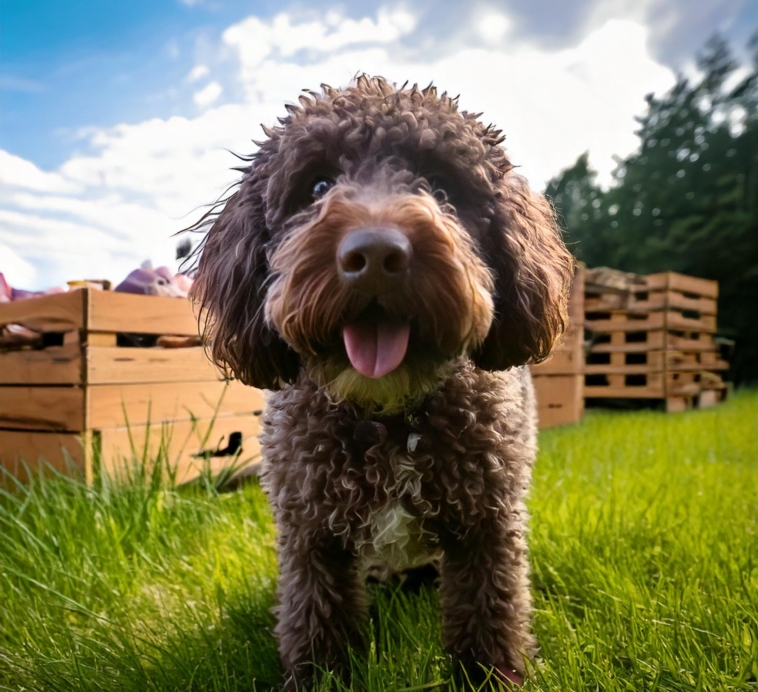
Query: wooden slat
point(616, 388)
point(657, 301)
point(620, 322)
point(42, 408)
point(655, 340)
point(657, 361)
point(680, 282)
point(563, 362)
point(677, 384)
point(559, 399)
point(123, 312)
point(569, 358)
point(149, 365)
point(649, 369)
point(623, 392)
point(113, 406)
point(144, 403)
point(180, 442)
point(705, 306)
point(63, 451)
point(692, 284)
point(706, 323)
point(52, 365)
point(576, 297)
point(626, 322)
point(698, 367)
point(100, 339)
point(60, 312)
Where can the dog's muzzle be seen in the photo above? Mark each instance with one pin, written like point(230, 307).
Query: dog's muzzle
point(375, 261)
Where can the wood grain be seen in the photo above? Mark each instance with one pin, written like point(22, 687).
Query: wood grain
point(114, 406)
point(61, 312)
point(19, 450)
point(149, 365)
point(42, 408)
point(108, 311)
point(559, 399)
point(180, 442)
point(52, 365)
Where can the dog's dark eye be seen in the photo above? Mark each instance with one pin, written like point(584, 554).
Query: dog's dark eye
point(321, 187)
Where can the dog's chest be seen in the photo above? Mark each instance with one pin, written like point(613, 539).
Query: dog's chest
point(391, 536)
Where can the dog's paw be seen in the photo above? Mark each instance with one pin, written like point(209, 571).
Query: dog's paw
point(477, 676)
point(511, 676)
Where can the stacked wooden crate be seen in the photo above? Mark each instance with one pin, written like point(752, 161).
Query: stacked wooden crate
point(653, 339)
point(91, 385)
point(558, 382)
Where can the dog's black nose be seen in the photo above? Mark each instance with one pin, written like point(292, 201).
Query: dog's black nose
point(373, 260)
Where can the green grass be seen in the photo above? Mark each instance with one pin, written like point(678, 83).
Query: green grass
point(644, 550)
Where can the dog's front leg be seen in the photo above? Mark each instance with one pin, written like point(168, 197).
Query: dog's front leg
point(486, 605)
point(321, 604)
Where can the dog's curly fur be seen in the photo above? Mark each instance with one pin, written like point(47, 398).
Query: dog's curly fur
point(432, 459)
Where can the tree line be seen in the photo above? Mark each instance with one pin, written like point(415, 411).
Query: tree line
point(687, 199)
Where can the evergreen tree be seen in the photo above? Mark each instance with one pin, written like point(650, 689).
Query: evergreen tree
point(578, 200)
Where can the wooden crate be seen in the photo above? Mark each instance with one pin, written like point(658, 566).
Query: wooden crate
point(558, 381)
point(87, 385)
point(654, 341)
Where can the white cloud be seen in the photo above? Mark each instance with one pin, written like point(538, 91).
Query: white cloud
point(18, 172)
point(17, 271)
point(101, 213)
point(198, 72)
point(255, 39)
point(207, 95)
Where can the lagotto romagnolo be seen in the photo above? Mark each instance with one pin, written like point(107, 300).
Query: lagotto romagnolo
point(385, 272)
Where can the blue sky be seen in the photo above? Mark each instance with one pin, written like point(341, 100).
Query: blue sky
point(72, 63)
point(115, 116)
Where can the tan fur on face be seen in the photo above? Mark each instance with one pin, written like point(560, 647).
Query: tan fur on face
point(448, 293)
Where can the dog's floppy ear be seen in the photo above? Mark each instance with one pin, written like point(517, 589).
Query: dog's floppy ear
point(533, 271)
point(230, 289)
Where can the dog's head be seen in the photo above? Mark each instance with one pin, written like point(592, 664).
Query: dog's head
point(378, 234)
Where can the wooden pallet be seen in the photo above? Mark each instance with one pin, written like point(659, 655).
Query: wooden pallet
point(87, 382)
point(654, 341)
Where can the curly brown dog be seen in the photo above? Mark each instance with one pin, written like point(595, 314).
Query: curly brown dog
point(385, 272)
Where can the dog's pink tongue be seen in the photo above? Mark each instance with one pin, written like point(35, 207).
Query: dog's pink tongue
point(376, 348)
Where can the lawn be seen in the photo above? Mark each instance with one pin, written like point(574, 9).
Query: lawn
point(644, 548)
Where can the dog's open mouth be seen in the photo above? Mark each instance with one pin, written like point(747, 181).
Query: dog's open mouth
point(376, 343)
